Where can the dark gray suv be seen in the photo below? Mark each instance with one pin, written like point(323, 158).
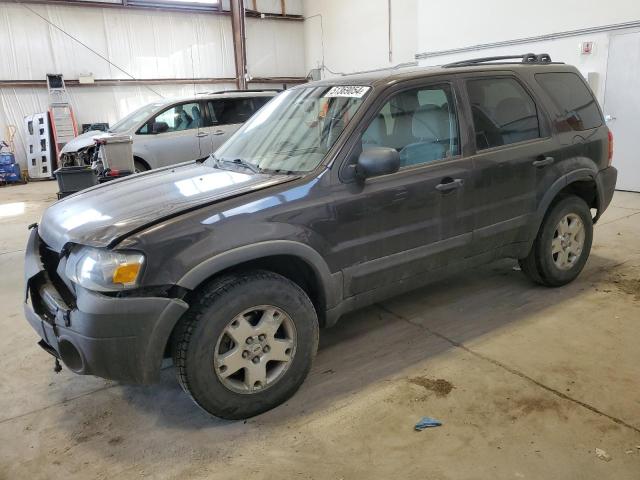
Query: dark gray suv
point(335, 195)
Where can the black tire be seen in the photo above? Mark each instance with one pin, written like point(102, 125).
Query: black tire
point(197, 338)
point(139, 166)
point(539, 265)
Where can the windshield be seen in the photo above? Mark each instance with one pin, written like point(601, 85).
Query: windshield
point(295, 130)
point(134, 118)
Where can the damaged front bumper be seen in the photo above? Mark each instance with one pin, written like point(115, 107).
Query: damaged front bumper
point(94, 334)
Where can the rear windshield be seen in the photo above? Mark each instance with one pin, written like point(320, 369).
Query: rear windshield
point(574, 102)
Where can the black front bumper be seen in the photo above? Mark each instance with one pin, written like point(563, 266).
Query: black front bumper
point(117, 338)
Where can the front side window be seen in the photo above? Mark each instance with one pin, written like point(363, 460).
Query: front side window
point(134, 118)
point(574, 102)
point(294, 131)
point(421, 124)
point(503, 112)
point(185, 116)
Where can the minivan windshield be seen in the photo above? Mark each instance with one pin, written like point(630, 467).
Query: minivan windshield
point(134, 118)
point(294, 131)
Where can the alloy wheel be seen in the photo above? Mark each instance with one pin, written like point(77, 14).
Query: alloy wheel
point(255, 349)
point(568, 241)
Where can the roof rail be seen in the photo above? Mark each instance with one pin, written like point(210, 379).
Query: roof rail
point(241, 91)
point(527, 58)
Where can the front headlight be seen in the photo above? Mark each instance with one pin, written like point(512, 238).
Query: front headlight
point(104, 270)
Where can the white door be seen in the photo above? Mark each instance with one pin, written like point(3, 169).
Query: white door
point(622, 107)
point(175, 134)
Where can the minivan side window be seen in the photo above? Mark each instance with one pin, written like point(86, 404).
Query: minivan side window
point(229, 111)
point(503, 112)
point(421, 124)
point(575, 104)
point(184, 116)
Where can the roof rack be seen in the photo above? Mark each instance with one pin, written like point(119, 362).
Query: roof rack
point(241, 91)
point(527, 58)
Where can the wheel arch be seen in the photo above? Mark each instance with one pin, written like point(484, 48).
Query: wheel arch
point(296, 261)
point(142, 161)
point(583, 183)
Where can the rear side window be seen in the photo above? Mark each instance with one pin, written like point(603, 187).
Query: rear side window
point(574, 102)
point(234, 110)
point(503, 112)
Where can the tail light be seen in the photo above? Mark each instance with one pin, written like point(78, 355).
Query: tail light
point(610, 148)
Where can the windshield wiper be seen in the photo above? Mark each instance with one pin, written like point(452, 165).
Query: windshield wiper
point(238, 161)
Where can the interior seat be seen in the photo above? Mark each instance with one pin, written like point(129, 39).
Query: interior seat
point(430, 130)
point(517, 122)
point(376, 133)
point(403, 107)
point(195, 117)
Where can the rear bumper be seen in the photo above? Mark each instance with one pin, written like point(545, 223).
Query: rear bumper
point(606, 184)
point(117, 338)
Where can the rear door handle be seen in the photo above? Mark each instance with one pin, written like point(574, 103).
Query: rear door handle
point(543, 161)
point(449, 185)
point(202, 134)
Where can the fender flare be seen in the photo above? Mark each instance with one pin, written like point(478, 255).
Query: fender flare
point(579, 175)
point(330, 283)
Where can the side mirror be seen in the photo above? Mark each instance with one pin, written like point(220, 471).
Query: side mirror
point(376, 161)
point(159, 127)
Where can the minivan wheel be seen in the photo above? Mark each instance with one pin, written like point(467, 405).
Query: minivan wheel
point(139, 166)
point(562, 246)
point(246, 344)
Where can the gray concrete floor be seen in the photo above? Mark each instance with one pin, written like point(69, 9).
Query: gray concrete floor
point(533, 380)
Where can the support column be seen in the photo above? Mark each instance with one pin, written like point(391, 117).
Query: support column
point(239, 42)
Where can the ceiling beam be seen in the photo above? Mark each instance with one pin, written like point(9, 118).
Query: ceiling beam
point(150, 81)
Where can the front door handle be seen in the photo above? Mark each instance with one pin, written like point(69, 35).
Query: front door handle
point(450, 184)
point(543, 161)
point(218, 132)
point(202, 134)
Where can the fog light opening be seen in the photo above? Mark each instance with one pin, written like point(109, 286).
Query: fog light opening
point(71, 356)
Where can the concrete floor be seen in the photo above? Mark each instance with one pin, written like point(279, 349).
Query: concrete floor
point(532, 381)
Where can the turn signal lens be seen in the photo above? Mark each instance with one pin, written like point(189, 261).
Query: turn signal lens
point(610, 148)
point(103, 270)
point(126, 273)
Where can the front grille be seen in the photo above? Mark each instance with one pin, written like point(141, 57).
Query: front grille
point(51, 261)
point(50, 258)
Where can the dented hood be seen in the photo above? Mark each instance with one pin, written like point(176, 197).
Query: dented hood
point(106, 213)
point(83, 141)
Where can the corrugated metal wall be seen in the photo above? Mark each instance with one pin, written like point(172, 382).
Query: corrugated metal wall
point(144, 43)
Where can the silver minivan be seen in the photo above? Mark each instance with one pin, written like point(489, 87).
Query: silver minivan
point(174, 131)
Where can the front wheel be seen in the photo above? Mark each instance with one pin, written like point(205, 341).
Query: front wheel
point(139, 166)
point(562, 246)
point(246, 345)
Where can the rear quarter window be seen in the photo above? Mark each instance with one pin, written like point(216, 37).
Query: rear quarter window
point(575, 105)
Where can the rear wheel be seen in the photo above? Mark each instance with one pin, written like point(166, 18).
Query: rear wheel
point(246, 345)
point(562, 246)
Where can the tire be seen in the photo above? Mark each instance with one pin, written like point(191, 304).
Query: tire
point(208, 348)
point(557, 258)
point(139, 166)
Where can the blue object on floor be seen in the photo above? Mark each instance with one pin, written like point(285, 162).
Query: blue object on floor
point(427, 422)
point(10, 173)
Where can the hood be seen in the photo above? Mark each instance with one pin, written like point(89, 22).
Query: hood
point(83, 141)
point(103, 214)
